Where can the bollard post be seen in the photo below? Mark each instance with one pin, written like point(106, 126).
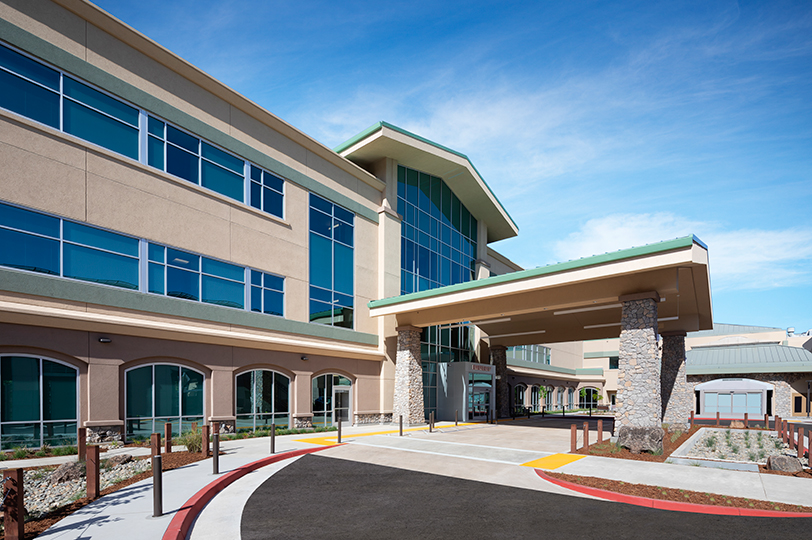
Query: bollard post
point(791, 435)
point(339, 431)
point(692, 420)
point(273, 438)
point(456, 417)
point(92, 471)
point(573, 438)
point(718, 423)
point(563, 412)
point(81, 443)
point(800, 442)
point(495, 416)
point(168, 437)
point(14, 505)
point(784, 431)
point(157, 487)
point(600, 431)
point(746, 421)
point(586, 436)
point(204, 438)
point(528, 413)
point(155, 444)
point(401, 425)
point(777, 425)
point(215, 427)
point(431, 417)
point(215, 453)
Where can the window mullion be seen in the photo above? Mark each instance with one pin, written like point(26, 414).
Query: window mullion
point(41, 394)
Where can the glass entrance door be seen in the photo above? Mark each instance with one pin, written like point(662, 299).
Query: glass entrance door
point(479, 401)
point(341, 410)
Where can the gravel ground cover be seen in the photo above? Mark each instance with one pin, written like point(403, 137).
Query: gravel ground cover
point(741, 445)
point(678, 495)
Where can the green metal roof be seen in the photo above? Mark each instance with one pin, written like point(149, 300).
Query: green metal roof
point(720, 329)
point(553, 369)
point(380, 125)
point(748, 358)
point(595, 260)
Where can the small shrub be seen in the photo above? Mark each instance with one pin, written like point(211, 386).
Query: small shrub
point(3, 456)
point(710, 442)
point(760, 436)
point(65, 451)
point(762, 454)
point(20, 453)
point(41, 453)
point(752, 456)
point(746, 435)
point(778, 443)
point(657, 452)
point(734, 448)
point(192, 440)
point(722, 456)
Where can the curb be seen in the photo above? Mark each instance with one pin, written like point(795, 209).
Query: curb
point(668, 505)
point(186, 515)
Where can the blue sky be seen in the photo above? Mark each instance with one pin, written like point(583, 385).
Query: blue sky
point(600, 125)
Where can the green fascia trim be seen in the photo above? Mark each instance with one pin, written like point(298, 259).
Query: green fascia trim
point(595, 260)
point(589, 371)
point(76, 66)
point(602, 354)
point(729, 369)
point(540, 367)
point(79, 291)
point(380, 125)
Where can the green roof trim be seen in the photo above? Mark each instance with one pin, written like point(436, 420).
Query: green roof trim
point(93, 74)
point(554, 369)
point(586, 262)
point(29, 283)
point(601, 354)
point(380, 125)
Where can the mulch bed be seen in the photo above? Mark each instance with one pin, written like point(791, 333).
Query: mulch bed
point(670, 443)
point(170, 461)
point(678, 495)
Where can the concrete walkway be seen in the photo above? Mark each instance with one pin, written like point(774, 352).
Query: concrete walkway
point(503, 454)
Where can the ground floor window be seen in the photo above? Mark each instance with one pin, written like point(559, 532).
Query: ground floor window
point(733, 403)
point(38, 400)
point(429, 388)
point(571, 398)
point(263, 398)
point(518, 396)
point(331, 400)
point(548, 397)
point(589, 398)
point(534, 398)
point(560, 395)
point(160, 393)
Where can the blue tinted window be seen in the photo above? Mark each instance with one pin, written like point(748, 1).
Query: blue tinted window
point(155, 279)
point(342, 232)
point(155, 127)
point(31, 69)
point(256, 195)
point(272, 202)
point(27, 99)
point(92, 236)
point(222, 181)
point(273, 303)
point(256, 173)
point(273, 182)
point(223, 158)
point(34, 222)
point(100, 267)
point(29, 252)
point(321, 204)
point(156, 252)
point(321, 223)
point(217, 268)
point(100, 129)
point(343, 269)
point(274, 282)
point(256, 278)
point(182, 163)
point(182, 283)
point(331, 263)
point(184, 140)
point(175, 257)
point(223, 292)
point(99, 101)
point(155, 153)
point(321, 261)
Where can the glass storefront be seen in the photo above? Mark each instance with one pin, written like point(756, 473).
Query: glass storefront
point(160, 393)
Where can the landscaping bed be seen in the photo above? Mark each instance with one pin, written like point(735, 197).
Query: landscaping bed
point(671, 441)
point(677, 495)
point(174, 460)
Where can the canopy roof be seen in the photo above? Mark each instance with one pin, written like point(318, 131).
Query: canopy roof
point(384, 140)
point(572, 301)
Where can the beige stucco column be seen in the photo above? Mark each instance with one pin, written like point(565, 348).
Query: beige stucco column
point(638, 382)
point(408, 398)
point(499, 359)
point(676, 395)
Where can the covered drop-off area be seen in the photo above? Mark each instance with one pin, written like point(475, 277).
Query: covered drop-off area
point(637, 294)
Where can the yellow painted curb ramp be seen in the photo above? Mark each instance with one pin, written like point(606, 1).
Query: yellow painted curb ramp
point(553, 462)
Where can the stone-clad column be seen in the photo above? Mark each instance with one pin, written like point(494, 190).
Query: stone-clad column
point(638, 392)
point(676, 396)
point(499, 359)
point(408, 399)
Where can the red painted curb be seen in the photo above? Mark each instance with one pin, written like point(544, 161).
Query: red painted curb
point(667, 505)
point(185, 516)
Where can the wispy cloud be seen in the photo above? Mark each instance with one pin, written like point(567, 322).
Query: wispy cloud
point(744, 259)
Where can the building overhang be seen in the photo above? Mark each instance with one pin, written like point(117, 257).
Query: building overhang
point(573, 301)
point(384, 140)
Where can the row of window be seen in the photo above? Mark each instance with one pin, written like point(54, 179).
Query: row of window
point(39, 404)
point(34, 90)
point(331, 263)
point(39, 242)
point(530, 353)
point(554, 398)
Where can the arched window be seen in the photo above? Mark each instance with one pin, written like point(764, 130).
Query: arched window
point(263, 398)
point(588, 398)
point(548, 399)
point(518, 395)
point(534, 398)
point(560, 393)
point(160, 393)
point(331, 400)
point(38, 400)
point(571, 398)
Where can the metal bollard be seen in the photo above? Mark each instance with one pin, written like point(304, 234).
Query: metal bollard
point(456, 417)
point(528, 413)
point(495, 417)
point(339, 431)
point(155, 444)
point(431, 415)
point(215, 453)
point(401, 425)
point(168, 437)
point(157, 487)
point(273, 438)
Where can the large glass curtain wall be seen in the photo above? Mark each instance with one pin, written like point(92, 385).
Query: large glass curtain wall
point(263, 398)
point(529, 353)
point(438, 344)
point(38, 242)
point(330, 399)
point(331, 263)
point(39, 402)
point(32, 89)
point(160, 393)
